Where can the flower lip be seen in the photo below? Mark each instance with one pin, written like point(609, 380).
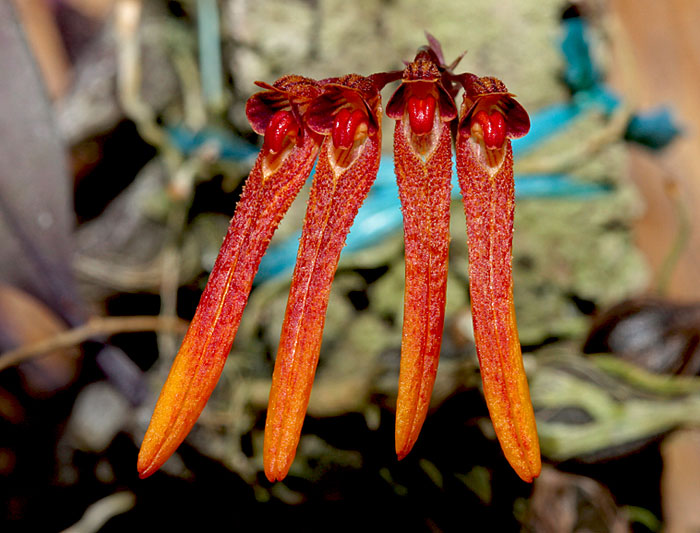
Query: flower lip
point(492, 127)
point(421, 88)
point(421, 113)
point(282, 128)
point(348, 127)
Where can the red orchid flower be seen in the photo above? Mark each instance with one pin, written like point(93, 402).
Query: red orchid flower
point(348, 114)
point(423, 109)
point(339, 119)
point(489, 118)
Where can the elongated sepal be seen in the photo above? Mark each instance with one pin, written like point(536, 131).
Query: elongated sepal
point(424, 190)
point(200, 360)
point(488, 195)
point(346, 169)
point(423, 108)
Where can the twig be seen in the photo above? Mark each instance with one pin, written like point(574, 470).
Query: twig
point(127, 20)
point(194, 110)
point(97, 514)
point(681, 239)
point(94, 327)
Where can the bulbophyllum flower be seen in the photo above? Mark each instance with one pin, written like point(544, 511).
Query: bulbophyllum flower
point(339, 120)
point(423, 109)
point(348, 115)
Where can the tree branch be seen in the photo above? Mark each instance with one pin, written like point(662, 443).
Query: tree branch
point(94, 327)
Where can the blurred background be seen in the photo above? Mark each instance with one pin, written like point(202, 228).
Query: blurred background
point(123, 149)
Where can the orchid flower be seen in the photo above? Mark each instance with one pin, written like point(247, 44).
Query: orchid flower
point(423, 109)
point(338, 120)
point(489, 118)
point(348, 114)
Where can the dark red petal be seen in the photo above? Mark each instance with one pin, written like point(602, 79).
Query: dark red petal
point(397, 103)
point(262, 106)
point(516, 118)
point(322, 113)
point(448, 108)
point(288, 93)
point(421, 114)
point(436, 47)
point(421, 89)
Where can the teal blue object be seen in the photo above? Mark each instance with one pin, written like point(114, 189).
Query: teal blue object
point(580, 73)
point(229, 146)
point(209, 40)
point(654, 129)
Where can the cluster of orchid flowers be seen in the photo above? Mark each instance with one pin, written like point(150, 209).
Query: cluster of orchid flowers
point(337, 121)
